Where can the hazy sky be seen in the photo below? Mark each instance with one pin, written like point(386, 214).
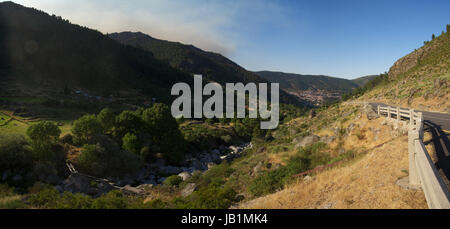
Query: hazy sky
point(344, 38)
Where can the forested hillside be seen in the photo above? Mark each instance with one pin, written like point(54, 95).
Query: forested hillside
point(46, 53)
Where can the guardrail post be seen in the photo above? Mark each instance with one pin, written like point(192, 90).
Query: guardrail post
point(413, 134)
point(411, 117)
point(379, 110)
point(389, 111)
point(420, 125)
point(398, 114)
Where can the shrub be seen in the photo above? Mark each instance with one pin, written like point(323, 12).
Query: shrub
point(156, 204)
point(13, 153)
point(46, 198)
point(203, 138)
point(269, 182)
point(164, 131)
point(6, 191)
point(43, 135)
point(217, 173)
point(131, 143)
point(128, 122)
point(107, 119)
point(49, 197)
point(105, 159)
point(306, 158)
point(85, 128)
point(67, 138)
point(73, 201)
point(173, 180)
point(227, 139)
point(9, 199)
point(147, 154)
point(214, 196)
point(112, 200)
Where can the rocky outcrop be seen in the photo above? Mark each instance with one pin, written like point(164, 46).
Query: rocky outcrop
point(327, 139)
point(78, 183)
point(188, 189)
point(131, 190)
point(307, 141)
point(369, 112)
point(409, 61)
point(185, 175)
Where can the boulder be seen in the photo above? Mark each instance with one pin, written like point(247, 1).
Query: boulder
point(257, 168)
point(261, 149)
point(293, 131)
point(297, 139)
point(328, 205)
point(145, 186)
point(327, 139)
point(370, 113)
point(308, 140)
point(307, 178)
point(233, 148)
point(185, 175)
point(131, 190)
point(211, 164)
point(76, 183)
point(188, 189)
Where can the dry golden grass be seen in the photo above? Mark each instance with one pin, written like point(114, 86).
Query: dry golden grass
point(369, 181)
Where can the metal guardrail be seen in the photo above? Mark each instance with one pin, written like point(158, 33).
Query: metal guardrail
point(422, 171)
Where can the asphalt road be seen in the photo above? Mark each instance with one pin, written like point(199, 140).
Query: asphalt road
point(438, 124)
point(440, 119)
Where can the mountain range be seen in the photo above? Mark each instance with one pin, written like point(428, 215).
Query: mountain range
point(218, 68)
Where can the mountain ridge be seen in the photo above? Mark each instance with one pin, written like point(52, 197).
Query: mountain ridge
point(212, 66)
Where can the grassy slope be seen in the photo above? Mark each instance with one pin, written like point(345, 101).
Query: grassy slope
point(358, 182)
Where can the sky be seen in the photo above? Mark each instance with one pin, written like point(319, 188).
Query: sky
point(342, 38)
